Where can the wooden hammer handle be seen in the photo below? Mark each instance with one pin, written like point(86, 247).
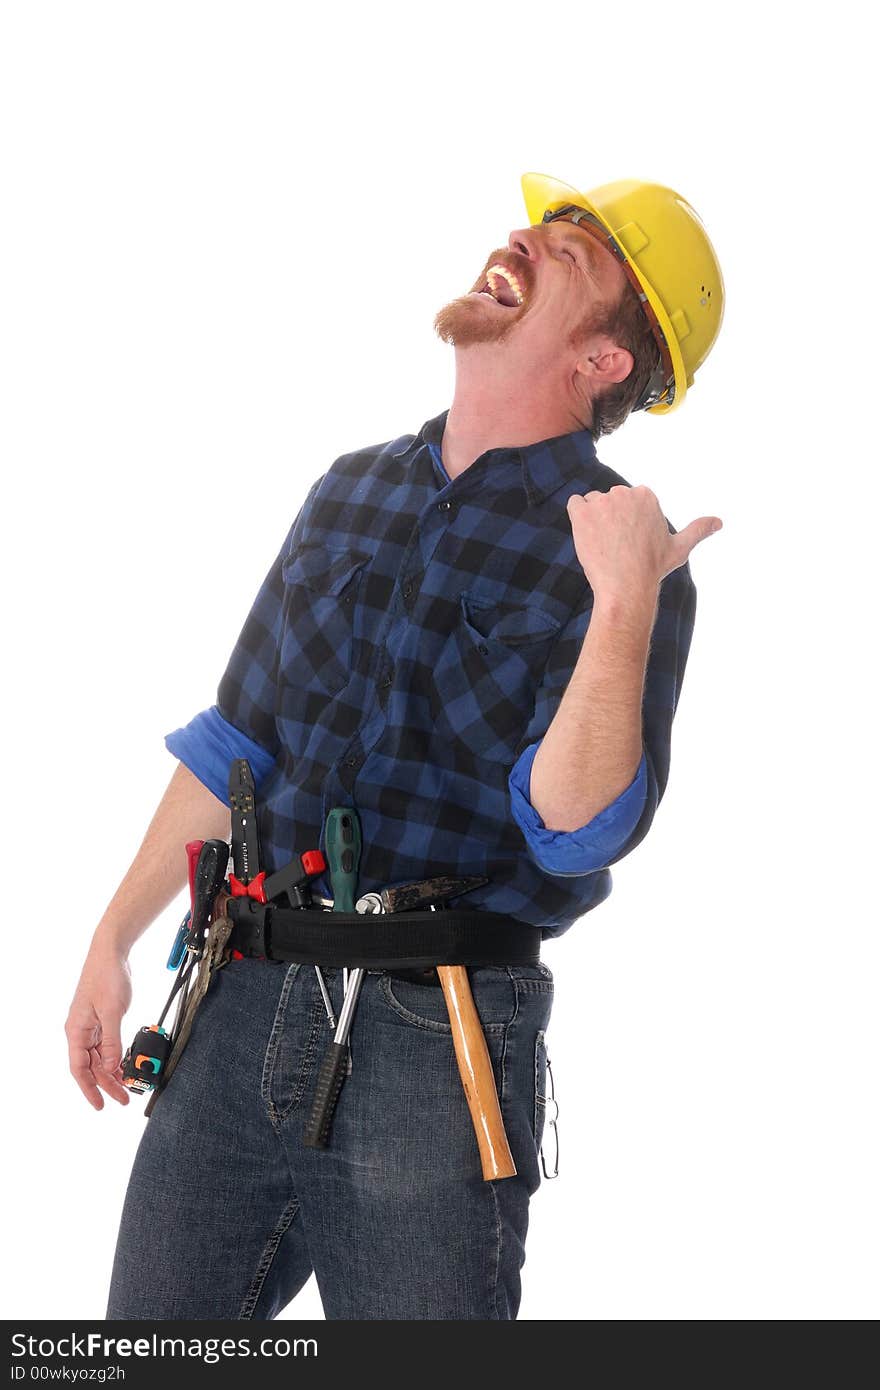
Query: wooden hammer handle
point(477, 1077)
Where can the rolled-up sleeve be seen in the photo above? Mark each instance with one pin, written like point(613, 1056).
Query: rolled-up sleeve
point(591, 846)
point(209, 743)
point(617, 829)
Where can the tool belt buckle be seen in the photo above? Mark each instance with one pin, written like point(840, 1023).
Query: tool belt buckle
point(250, 923)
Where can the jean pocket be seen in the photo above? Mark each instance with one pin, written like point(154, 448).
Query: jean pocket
point(532, 977)
point(487, 672)
point(424, 1006)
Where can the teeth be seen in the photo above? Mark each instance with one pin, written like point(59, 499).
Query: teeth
point(507, 275)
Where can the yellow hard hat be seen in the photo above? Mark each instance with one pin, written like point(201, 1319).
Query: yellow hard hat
point(662, 246)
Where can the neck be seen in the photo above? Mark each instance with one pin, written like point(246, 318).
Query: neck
point(498, 403)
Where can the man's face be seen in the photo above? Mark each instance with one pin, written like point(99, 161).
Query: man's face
point(535, 292)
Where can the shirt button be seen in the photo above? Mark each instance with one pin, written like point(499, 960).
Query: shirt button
point(407, 590)
point(386, 681)
point(443, 506)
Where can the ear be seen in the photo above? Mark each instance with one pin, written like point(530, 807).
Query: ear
point(602, 363)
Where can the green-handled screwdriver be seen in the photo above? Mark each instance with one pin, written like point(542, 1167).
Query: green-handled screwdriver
point(342, 849)
point(342, 842)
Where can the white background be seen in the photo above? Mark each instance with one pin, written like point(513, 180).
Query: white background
point(226, 229)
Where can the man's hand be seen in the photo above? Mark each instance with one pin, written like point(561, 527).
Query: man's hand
point(623, 541)
point(94, 1024)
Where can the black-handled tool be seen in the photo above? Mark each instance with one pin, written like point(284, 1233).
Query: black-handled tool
point(246, 879)
point(342, 838)
point(333, 1070)
point(294, 883)
point(208, 879)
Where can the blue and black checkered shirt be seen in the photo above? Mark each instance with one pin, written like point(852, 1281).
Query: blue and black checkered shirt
point(405, 655)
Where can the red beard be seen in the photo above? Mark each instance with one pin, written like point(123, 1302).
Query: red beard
point(475, 318)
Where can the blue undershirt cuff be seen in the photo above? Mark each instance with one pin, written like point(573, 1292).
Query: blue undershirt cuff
point(209, 743)
point(592, 846)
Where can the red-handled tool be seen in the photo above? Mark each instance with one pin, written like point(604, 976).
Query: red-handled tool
point(292, 882)
point(193, 850)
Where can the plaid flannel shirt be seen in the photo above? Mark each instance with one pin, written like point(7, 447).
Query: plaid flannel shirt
point(405, 655)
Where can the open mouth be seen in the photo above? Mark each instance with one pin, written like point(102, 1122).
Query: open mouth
point(503, 286)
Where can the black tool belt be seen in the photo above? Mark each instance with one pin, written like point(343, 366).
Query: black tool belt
point(384, 941)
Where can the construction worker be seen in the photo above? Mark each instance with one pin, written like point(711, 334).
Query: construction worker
point(475, 636)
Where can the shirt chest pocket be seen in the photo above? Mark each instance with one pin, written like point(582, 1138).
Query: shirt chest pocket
point(484, 682)
point(321, 587)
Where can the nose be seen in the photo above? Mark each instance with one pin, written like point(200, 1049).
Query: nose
point(525, 242)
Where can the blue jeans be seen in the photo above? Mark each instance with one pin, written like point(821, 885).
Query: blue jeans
point(228, 1212)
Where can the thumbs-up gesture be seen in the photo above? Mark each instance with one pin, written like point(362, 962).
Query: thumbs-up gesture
point(623, 541)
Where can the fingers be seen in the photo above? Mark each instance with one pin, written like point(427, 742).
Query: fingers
point(106, 1058)
point(81, 1071)
point(621, 536)
point(109, 1082)
point(110, 1047)
point(94, 1065)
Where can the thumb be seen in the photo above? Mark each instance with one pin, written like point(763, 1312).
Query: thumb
point(697, 531)
point(111, 1044)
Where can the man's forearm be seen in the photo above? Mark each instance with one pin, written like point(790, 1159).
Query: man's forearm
point(187, 811)
point(592, 748)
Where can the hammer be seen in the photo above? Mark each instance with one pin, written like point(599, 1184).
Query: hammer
point(469, 1041)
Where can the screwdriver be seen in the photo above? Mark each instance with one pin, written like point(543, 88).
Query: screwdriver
point(342, 837)
point(342, 840)
point(343, 851)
